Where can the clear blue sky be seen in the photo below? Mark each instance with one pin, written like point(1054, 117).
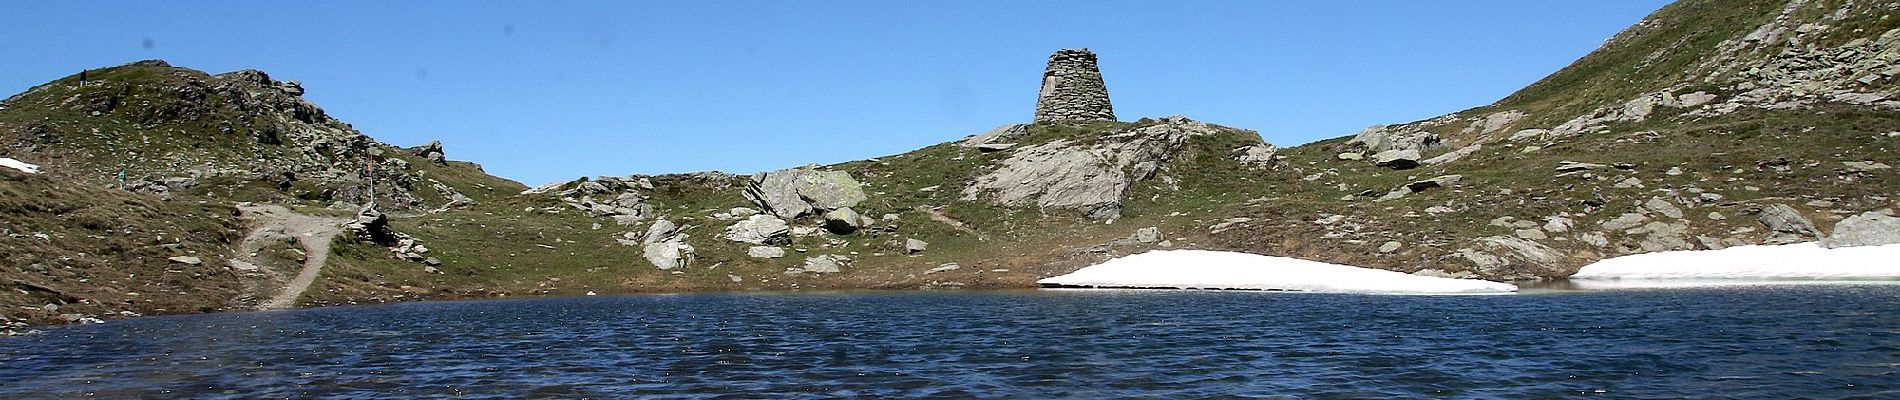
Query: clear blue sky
point(545, 91)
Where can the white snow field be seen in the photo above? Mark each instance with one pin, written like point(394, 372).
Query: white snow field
point(1807, 261)
point(1201, 269)
point(19, 165)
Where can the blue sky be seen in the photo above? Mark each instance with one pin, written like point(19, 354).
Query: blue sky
point(548, 91)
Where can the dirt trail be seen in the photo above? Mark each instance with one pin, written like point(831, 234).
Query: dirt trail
point(272, 222)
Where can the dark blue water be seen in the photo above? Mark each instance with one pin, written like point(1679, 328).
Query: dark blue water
point(1758, 342)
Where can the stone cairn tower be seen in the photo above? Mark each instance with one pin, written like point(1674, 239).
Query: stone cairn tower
point(1072, 89)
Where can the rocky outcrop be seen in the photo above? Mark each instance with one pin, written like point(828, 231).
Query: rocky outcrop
point(1512, 258)
point(1002, 135)
point(796, 192)
point(431, 152)
point(762, 229)
point(1072, 89)
point(1090, 178)
point(665, 246)
point(1872, 228)
point(1785, 225)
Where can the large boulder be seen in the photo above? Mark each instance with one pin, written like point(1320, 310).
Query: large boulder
point(1872, 228)
point(762, 229)
point(1396, 159)
point(791, 193)
point(843, 221)
point(1381, 138)
point(1785, 225)
point(665, 246)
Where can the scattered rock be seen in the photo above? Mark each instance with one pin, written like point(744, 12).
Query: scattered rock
point(1531, 234)
point(1349, 156)
point(914, 246)
point(765, 252)
point(1389, 247)
point(1870, 228)
point(187, 260)
point(946, 267)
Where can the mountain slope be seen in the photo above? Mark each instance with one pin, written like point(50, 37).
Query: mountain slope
point(1712, 123)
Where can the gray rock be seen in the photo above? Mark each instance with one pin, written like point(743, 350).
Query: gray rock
point(762, 229)
point(1511, 258)
point(1625, 221)
point(946, 267)
point(1785, 225)
point(824, 264)
point(1148, 235)
point(791, 193)
point(1090, 178)
point(665, 246)
point(1872, 228)
point(1531, 234)
point(1000, 134)
point(1665, 237)
point(1573, 166)
point(994, 147)
point(1381, 138)
point(1663, 207)
point(1389, 247)
point(1865, 166)
point(1716, 216)
point(1349, 156)
point(765, 252)
point(914, 246)
point(1694, 99)
point(669, 254)
point(1257, 155)
point(1558, 224)
point(1396, 159)
point(843, 221)
point(187, 260)
point(1453, 155)
point(661, 230)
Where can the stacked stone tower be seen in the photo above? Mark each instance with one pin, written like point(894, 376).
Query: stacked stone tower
point(1072, 89)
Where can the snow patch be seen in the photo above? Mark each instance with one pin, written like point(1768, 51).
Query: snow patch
point(1800, 261)
point(1201, 269)
point(19, 165)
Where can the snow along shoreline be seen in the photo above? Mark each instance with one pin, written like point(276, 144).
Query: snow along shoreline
point(1809, 261)
point(1202, 269)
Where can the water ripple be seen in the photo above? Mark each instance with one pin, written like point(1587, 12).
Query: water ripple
point(1751, 342)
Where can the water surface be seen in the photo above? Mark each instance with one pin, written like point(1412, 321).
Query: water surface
point(1744, 342)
